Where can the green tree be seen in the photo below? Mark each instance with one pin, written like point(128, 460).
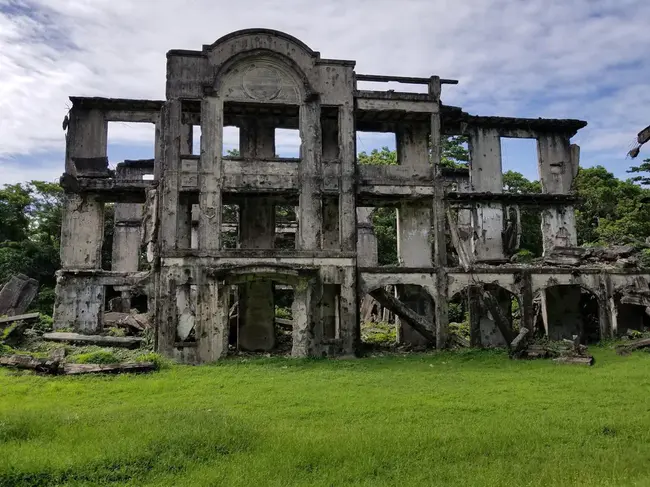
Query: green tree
point(612, 211)
point(644, 167)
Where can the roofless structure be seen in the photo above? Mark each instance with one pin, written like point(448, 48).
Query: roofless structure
point(197, 231)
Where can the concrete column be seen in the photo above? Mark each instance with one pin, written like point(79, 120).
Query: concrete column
point(87, 136)
point(80, 302)
point(209, 174)
point(348, 155)
point(171, 174)
point(562, 312)
point(486, 176)
point(329, 306)
point(349, 332)
point(441, 316)
point(311, 178)
point(414, 230)
point(558, 163)
point(303, 309)
point(212, 323)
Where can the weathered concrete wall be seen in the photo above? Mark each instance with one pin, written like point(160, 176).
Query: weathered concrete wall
point(82, 232)
point(558, 166)
point(486, 176)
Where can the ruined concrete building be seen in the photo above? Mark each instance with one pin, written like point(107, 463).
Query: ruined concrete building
point(196, 232)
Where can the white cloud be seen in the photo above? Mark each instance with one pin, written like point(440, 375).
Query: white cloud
point(578, 59)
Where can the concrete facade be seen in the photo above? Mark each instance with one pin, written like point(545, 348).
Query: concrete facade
point(170, 229)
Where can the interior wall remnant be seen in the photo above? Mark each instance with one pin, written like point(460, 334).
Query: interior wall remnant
point(558, 166)
point(486, 177)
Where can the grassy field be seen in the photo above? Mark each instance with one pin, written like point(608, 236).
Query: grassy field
point(475, 418)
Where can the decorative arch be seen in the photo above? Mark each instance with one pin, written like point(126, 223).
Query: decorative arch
point(262, 76)
point(258, 31)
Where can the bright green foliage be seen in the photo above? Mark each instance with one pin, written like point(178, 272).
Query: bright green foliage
point(454, 152)
point(284, 313)
point(99, 357)
point(379, 333)
point(158, 360)
point(466, 418)
point(383, 157)
point(613, 211)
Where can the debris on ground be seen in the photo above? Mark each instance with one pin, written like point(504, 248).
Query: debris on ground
point(55, 367)
point(565, 351)
point(627, 348)
point(17, 294)
point(100, 340)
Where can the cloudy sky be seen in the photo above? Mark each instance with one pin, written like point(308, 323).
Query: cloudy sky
point(585, 59)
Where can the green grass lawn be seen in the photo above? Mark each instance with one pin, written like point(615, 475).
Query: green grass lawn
point(475, 418)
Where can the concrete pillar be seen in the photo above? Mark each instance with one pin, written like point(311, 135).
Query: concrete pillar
point(558, 163)
point(562, 312)
point(441, 316)
point(486, 176)
point(171, 174)
point(79, 302)
point(311, 178)
point(209, 174)
point(87, 136)
point(212, 323)
point(304, 311)
point(329, 306)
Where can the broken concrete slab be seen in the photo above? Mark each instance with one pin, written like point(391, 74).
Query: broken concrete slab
point(102, 341)
point(56, 367)
point(26, 317)
point(17, 294)
point(80, 369)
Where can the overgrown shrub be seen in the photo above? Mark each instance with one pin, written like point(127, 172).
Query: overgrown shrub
point(99, 357)
point(116, 331)
point(379, 333)
point(45, 323)
point(460, 329)
point(158, 360)
point(524, 256)
point(284, 313)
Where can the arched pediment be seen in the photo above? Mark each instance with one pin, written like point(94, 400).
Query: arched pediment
point(262, 77)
